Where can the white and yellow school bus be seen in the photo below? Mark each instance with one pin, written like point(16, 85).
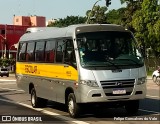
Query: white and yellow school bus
point(95, 64)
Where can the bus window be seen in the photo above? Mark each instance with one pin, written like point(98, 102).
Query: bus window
point(59, 51)
point(30, 51)
point(50, 51)
point(22, 52)
point(39, 51)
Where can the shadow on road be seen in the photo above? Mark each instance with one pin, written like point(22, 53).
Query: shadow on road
point(148, 107)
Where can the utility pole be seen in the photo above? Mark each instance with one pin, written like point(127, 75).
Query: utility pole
point(5, 40)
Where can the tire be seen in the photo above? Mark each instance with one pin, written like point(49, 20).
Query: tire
point(37, 102)
point(158, 81)
point(132, 107)
point(73, 107)
point(154, 78)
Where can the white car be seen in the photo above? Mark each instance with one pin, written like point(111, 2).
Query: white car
point(155, 75)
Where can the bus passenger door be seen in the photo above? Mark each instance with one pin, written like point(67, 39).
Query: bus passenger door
point(70, 65)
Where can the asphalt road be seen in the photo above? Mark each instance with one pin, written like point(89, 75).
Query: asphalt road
point(15, 104)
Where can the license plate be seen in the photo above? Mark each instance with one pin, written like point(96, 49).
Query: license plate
point(119, 91)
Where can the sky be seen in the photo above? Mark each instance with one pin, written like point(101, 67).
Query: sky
point(51, 9)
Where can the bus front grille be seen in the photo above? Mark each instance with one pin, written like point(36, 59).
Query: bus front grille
point(110, 85)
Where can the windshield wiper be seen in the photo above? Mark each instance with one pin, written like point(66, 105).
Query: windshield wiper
point(95, 65)
point(131, 61)
point(117, 67)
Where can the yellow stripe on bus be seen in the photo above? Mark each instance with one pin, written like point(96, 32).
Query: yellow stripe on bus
point(47, 70)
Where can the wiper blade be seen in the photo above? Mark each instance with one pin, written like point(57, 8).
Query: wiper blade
point(130, 60)
point(96, 65)
point(117, 67)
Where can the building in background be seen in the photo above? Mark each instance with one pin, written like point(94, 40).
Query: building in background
point(32, 21)
point(38, 21)
point(10, 34)
point(51, 21)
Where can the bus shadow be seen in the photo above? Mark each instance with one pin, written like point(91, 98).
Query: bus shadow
point(57, 106)
point(148, 107)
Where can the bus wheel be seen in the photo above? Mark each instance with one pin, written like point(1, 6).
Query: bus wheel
point(132, 107)
point(36, 101)
point(73, 107)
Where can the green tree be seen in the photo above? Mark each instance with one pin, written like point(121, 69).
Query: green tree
point(146, 23)
point(126, 1)
point(96, 15)
point(131, 8)
point(69, 20)
point(115, 16)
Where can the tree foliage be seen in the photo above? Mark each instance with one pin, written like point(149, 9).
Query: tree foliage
point(131, 8)
point(115, 16)
point(96, 15)
point(69, 20)
point(146, 23)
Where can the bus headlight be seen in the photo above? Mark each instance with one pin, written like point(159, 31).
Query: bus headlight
point(141, 80)
point(90, 83)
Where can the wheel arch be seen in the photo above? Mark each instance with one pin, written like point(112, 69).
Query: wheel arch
point(31, 86)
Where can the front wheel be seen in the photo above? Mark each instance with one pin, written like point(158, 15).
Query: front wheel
point(73, 107)
point(36, 101)
point(158, 81)
point(154, 78)
point(132, 107)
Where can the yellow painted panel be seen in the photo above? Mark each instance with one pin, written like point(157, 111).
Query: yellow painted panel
point(47, 70)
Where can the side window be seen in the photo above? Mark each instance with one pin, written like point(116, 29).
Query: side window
point(50, 51)
point(30, 51)
point(22, 52)
point(39, 51)
point(59, 51)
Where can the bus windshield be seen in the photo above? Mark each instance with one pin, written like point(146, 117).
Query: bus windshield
point(108, 49)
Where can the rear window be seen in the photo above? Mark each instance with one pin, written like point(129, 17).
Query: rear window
point(4, 69)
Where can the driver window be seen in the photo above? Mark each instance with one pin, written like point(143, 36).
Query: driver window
point(69, 55)
point(59, 51)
